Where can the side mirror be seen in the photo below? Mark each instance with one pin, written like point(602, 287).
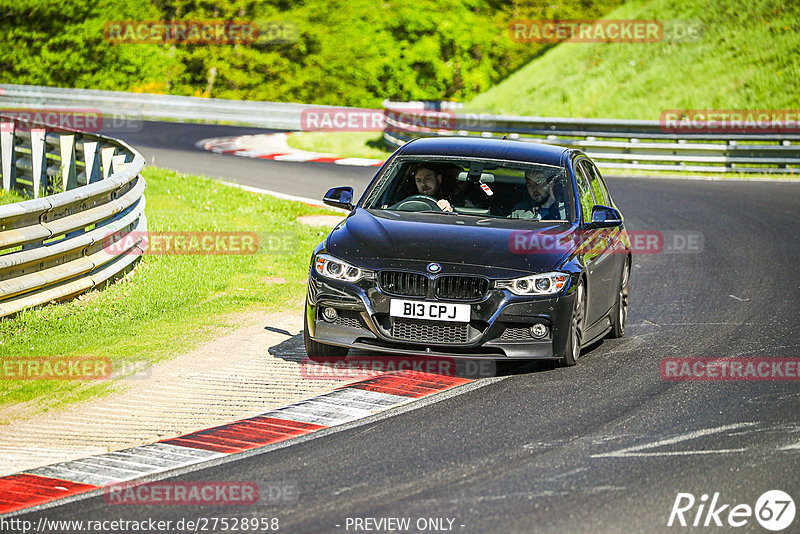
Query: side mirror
point(340, 197)
point(604, 217)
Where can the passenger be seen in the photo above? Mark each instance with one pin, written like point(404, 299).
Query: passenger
point(540, 202)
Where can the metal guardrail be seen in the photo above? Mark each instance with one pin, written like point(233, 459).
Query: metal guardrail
point(159, 107)
point(612, 143)
point(54, 246)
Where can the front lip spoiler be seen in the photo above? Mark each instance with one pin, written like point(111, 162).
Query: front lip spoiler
point(498, 356)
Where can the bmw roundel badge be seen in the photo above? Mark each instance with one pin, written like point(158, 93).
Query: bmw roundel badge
point(434, 268)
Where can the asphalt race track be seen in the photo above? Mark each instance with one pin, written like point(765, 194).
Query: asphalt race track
point(172, 145)
point(606, 445)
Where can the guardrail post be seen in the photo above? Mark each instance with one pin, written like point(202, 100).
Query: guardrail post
point(118, 163)
point(784, 143)
point(106, 156)
point(38, 171)
point(39, 162)
point(69, 179)
point(91, 159)
point(728, 164)
point(9, 156)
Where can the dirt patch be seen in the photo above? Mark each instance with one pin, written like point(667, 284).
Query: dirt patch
point(245, 371)
point(328, 221)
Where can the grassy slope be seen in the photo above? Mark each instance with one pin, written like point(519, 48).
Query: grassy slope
point(169, 303)
point(747, 59)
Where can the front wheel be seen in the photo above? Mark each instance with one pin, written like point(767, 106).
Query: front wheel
point(619, 315)
point(573, 351)
point(315, 349)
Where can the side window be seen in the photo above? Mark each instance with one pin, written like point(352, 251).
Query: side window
point(584, 191)
point(603, 185)
point(598, 189)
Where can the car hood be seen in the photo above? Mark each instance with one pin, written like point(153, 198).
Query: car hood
point(377, 238)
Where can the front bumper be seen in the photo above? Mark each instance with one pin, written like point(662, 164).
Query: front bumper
point(498, 329)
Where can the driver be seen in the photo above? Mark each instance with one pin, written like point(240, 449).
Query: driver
point(429, 183)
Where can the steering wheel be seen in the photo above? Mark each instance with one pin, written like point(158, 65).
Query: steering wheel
point(417, 203)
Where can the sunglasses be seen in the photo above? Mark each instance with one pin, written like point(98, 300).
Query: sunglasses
point(538, 180)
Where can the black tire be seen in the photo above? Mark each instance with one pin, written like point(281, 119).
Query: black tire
point(575, 340)
point(315, 349)
point(619, 314)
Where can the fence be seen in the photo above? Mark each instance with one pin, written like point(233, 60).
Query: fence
point(612, 143)
point(84, 188)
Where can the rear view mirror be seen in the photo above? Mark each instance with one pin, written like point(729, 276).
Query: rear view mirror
point(485, 178)
point(340, 197)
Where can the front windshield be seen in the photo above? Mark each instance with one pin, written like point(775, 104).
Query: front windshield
point(483, 188)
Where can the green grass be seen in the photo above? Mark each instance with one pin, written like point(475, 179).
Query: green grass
point(168, 304)
point(746, 59)
point(343, 144)
point(10, 197)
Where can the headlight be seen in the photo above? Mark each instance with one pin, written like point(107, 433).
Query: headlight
point(538, 284)
point(331, 267)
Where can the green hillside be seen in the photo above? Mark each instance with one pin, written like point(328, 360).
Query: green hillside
point(747, 58)
point(340, 52)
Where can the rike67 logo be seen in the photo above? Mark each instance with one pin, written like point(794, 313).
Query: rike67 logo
point(774, 510)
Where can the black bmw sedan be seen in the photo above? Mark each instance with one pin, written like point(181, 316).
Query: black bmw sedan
point(467, 247)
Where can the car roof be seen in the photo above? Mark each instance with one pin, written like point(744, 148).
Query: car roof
point(477, 147)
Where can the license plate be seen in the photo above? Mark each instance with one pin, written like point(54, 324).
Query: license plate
point(431, 311)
